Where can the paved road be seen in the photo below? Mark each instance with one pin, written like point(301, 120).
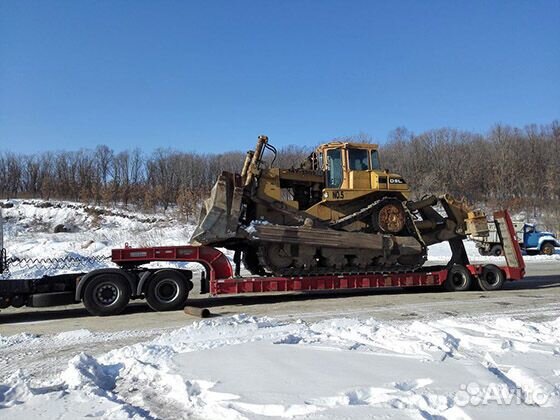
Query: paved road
point(539, 291)
point(537, 297)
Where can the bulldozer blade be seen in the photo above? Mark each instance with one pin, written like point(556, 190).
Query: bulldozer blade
point(219, 215)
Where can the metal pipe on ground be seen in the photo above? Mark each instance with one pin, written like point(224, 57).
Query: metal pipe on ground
point(198, 312)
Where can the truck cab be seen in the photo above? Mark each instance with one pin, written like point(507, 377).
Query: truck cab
point(535, 241)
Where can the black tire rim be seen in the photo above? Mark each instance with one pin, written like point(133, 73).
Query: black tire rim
point(458, 280)
point(166, 290)
point(106, 294)
point(491, 278)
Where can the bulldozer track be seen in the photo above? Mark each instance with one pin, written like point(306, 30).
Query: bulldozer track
point(370, 270)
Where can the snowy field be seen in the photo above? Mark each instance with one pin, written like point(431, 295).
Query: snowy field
point(245, 367)
point(502, 365)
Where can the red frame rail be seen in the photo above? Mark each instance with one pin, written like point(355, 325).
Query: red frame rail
point(326, 282)
point(221, 280)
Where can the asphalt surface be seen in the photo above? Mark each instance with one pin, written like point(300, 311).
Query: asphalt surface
point(537, 294)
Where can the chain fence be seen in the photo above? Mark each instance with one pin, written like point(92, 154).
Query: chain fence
point(44, 265)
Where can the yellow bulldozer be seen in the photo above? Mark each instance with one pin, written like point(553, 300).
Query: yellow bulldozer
point(338, 211)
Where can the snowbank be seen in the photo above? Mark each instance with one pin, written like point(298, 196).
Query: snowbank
point(245, 367)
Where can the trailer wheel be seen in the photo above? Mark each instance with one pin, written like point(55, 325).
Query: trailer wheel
point(497, 251)
point(4, 302)
point(106, 294)
point(168, 290)
point(491, 278)
point(458, 279)
point(18, 301)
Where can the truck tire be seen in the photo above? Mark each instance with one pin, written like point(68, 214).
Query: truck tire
point(458, 279)
point(491, 278)
point(482, 252)
point(497, 251)
point(548, 249)
point(168, 290)
point(106, 294)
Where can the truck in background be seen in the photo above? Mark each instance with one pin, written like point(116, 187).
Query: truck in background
point(531, 240)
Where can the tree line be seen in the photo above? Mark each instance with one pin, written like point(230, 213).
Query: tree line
point(517, 168)
point(104, 177)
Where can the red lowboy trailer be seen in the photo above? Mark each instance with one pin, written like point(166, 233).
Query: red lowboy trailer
point(108, 291)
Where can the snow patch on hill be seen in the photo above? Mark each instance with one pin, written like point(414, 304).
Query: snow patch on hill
point(91, 231)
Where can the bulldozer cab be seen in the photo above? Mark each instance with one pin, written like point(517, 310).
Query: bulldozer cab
point(341, 158)
point(354, 169)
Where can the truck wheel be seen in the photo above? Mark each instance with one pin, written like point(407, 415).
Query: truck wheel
point(458, 279)
point(106, 294)
point(482, 252)
point(491, 278)
point(548, 249)
point(497, 251)
point(168, 290)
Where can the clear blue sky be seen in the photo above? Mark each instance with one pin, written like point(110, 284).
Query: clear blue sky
point(212, 75)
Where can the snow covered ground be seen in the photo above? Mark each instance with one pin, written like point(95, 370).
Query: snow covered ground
point(245, 367)
point(499, 365)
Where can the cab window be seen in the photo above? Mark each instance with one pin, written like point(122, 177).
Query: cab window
point(375, 160)
point(358, 159)
point(334, 168)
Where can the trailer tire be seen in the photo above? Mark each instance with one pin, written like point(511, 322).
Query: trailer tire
point(458, 279)
point(497, 251)
point(106, 294)
point(4, 302)
point(491, 278)
point(168, 290)
point(18, 301)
